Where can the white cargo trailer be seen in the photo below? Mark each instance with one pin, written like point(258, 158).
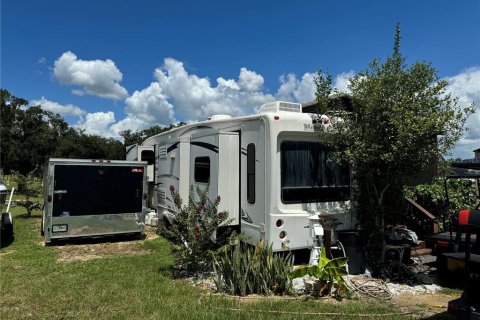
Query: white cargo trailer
point(271, 170)
point(87, 198)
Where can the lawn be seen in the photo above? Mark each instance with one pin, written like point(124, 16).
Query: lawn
point(36, 283)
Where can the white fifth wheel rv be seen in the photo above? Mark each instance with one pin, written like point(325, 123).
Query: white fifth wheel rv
point(270, 169)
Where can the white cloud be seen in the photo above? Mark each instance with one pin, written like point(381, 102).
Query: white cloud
point(195, 98)
point(146, 108)
point(64, 110)
point(342, 81)
point(292, 89)
point(96, 77)
point(466, 86)
point(97, 123)
point(249, 80)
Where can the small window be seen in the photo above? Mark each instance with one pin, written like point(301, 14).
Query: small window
point(148, 155)
point(251, 173)
point(202, 169)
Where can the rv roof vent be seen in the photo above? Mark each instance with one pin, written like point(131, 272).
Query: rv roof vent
point(281, 106)
point(219, 117)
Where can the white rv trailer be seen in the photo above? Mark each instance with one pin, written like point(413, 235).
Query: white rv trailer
point(270, 169)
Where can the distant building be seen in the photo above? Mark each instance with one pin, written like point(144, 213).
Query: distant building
point(469, 163)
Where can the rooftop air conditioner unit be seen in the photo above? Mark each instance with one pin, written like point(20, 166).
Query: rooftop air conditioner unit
point(280, 106)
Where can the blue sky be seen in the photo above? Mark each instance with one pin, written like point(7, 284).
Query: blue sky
point(107, 66)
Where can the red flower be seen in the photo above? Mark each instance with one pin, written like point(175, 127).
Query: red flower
point(196, 228)
point(221, 214)
point(196, 235)
point(172, 188)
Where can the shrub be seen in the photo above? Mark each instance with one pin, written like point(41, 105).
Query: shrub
point(193, 231)
point(242, 269)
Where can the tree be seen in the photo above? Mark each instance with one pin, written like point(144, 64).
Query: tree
point(77, 144)
point(30, 187)
point(136, 137)
point(402, 117)
point(28, 134)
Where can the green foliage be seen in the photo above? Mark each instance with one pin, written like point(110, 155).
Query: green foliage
point(193, 230)
point(30, 135)
point(402, 118)
point(461, 194)
point(75, 144)
point(30, 188)
point(242, 269)
point(329, 272)
point(323, 83)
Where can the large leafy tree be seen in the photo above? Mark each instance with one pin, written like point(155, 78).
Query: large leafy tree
point(30, 135)
point(402, 118)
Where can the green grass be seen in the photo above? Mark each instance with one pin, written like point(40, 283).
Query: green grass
point(34, 285)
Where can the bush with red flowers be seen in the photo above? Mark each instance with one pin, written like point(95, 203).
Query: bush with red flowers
point(194, 230)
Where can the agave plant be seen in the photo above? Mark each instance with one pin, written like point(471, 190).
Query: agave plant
point(243, 269)
point(329, 273)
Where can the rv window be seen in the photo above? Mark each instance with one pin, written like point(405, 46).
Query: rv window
point(148, 155)
point(202, 169)
point(309, 173)
point(251, 173)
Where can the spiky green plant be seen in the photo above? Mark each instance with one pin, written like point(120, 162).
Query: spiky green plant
point(243, 269)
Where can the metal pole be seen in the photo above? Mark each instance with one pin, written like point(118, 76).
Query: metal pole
point(10, 200)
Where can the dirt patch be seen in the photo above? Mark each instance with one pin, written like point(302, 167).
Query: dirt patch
point(89, 251)
point(426, 304)
point(151, 233)
point(84, 252)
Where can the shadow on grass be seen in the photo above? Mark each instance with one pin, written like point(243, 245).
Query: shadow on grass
point(27, 216)
point(97, 239)
point(442, 316)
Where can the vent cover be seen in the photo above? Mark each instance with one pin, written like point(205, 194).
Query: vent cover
point(162, 196)
point(281, 106)
point(162, 151)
